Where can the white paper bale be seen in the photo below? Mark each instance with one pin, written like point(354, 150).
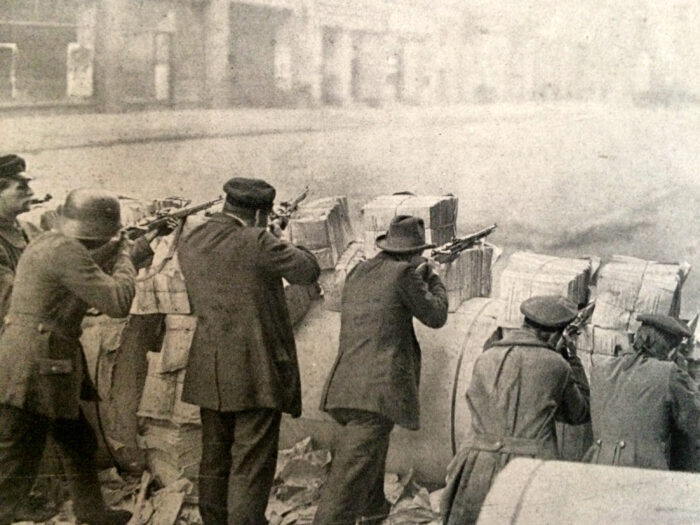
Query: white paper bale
point(323, 226)
point(439, 214)
point(529, 274)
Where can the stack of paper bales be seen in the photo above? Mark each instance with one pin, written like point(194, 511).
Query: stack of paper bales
point(439, 213)
point(627, 287)
point(529, 274)
point(323, 226)
point(469, 275)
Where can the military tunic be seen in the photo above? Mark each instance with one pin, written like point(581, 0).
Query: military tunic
point(637, 404)
point(14, 237)
point(42, 367)
point(519, 388)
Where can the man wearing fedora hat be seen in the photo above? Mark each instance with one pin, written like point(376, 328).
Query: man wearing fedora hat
point(641, 400)
point(242, 370)
point(521, 384)
point(373, 384)
point(43, 373)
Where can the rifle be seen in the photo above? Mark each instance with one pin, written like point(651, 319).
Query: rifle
point(684, 354)
point(449, 251)
point(287, 208)
point(162, 216)
point(566, 344)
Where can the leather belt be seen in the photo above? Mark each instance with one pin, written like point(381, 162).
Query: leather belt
point(512, 445)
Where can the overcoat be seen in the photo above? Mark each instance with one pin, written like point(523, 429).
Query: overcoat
point(379, 359)
point(519, 388)
point(243, 354)
point(42, 367)
point(637, 404)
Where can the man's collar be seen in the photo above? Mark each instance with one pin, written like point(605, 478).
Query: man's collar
point(235, 217)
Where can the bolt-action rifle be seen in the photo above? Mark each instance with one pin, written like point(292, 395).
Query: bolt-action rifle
point(449, 251)
point(162, 216)
point(684, 354)
point(567, 343)
point(287, 208)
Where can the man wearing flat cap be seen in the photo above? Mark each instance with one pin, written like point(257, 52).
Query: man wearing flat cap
point(641, 398)
point(373, 384)
point(520, 386)
point(15, 199)
point(243, 371)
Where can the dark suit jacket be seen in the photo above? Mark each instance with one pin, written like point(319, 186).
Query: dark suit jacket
point(42, 367)
point(378, 363)
point(243, 354)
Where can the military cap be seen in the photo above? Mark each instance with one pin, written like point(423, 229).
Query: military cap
point(12, 166)
point(549, 311)
point(249, 193)
point(665, 323)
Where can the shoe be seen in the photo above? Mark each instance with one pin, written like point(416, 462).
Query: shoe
point(108, 517)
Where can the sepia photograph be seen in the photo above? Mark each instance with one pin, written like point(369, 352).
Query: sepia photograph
point(349, 262)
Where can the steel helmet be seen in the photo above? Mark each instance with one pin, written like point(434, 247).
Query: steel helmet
point(89, 214)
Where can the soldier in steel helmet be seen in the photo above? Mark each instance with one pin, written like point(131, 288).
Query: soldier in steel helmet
point(520, 386)
point(43, 372)
point(641, 398)
point(374, 382)
point(242, 368)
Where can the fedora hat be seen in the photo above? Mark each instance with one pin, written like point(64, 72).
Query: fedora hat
point(406, 234)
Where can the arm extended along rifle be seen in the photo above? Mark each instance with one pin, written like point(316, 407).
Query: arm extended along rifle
point(449, 251)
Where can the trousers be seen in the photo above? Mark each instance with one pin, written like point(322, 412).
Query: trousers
point(355, 486)
point(23, 437)
point(239, 457)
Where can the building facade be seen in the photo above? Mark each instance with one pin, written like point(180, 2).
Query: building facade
point(219, 53)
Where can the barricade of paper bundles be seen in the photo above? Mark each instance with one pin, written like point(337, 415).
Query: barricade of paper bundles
point(169, 430)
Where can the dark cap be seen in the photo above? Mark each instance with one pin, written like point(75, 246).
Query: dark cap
point(549, 311)
point(12, 166)
point(665, 323)
point(406, 234)
point(249, 193)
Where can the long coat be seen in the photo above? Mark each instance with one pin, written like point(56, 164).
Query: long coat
point(42, 367)
point(637, 404)
point(14, 237)
point(378, 363)
point(243, 354)
point(519, 388)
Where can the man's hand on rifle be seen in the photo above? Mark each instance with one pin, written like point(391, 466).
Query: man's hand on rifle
point(167, 227)
point(276, 227)
point(426, 269)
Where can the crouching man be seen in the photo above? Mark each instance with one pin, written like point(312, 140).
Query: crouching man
point(374, 381)
point(641, 399)
point(520, 386)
